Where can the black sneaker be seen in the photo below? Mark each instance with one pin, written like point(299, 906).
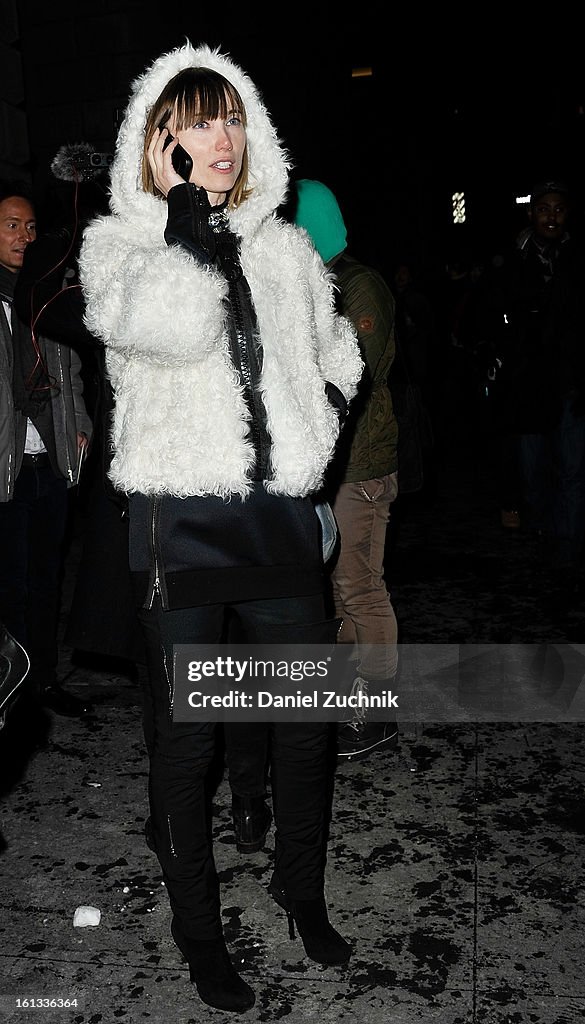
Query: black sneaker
point(356, 740)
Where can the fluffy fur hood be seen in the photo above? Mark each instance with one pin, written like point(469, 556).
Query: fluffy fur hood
point(268, 161)
point(181, 424)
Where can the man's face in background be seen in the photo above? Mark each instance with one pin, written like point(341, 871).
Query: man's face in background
point(17, 230)
point(548, 216)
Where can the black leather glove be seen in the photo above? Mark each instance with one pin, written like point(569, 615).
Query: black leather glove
point(188, 221)
point(337, 399)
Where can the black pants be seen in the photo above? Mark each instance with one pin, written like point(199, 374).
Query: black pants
point(32, 531)
point(180, 754)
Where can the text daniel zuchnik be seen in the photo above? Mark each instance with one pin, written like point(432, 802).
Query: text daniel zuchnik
point(316, 699)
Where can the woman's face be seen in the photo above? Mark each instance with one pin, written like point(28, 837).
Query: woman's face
point(216, 149)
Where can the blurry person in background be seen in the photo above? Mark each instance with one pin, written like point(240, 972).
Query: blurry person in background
point(44, 434)
point(532, 316)
point(362, 480)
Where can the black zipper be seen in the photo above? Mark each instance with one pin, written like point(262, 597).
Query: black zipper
point(243, 340)
point(157, 582)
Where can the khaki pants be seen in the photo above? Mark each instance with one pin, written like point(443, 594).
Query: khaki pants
point(360, 594)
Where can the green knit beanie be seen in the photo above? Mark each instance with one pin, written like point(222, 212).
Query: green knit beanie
point(319, 214)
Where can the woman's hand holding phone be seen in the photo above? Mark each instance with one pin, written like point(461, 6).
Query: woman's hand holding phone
point(182, 162)
point(160, 157)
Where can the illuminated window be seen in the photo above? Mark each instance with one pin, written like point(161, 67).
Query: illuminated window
point(458, 201)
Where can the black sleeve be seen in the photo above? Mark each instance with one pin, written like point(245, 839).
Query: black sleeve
point(188, 221)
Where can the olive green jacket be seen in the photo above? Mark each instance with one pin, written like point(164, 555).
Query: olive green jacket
point(368, 445)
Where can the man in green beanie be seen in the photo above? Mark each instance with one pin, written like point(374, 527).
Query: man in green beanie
point(363, 482)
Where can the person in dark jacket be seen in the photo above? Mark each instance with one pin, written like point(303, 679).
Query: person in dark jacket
point(362, 481)
point(44, 433)
point(533, 322)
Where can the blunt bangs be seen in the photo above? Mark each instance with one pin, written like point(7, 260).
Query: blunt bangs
point(201, 94)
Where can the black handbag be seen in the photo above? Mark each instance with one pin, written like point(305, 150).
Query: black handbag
point(14, 666)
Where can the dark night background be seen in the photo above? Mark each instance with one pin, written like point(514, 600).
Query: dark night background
point(453, 104)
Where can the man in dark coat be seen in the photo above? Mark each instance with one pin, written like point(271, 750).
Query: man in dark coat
point(534, 322)
point(44, 434)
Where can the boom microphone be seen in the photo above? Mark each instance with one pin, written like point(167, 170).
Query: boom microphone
point(79, 161)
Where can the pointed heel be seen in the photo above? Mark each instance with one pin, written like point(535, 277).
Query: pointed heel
point(322, 942)
point(279, 896)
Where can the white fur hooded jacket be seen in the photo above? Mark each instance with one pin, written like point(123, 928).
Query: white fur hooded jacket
point(180, 423)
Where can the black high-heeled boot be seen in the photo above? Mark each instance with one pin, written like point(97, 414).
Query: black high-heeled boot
point(211, 970)
point(322, 943)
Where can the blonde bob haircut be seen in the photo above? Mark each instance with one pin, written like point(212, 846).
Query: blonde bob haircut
point(195, 94)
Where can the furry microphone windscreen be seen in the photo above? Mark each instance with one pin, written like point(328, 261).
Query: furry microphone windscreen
point(77, 162)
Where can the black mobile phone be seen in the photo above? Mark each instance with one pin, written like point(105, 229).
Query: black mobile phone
point(182, 162)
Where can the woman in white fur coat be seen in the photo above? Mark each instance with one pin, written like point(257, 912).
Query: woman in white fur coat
point(231, 372)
